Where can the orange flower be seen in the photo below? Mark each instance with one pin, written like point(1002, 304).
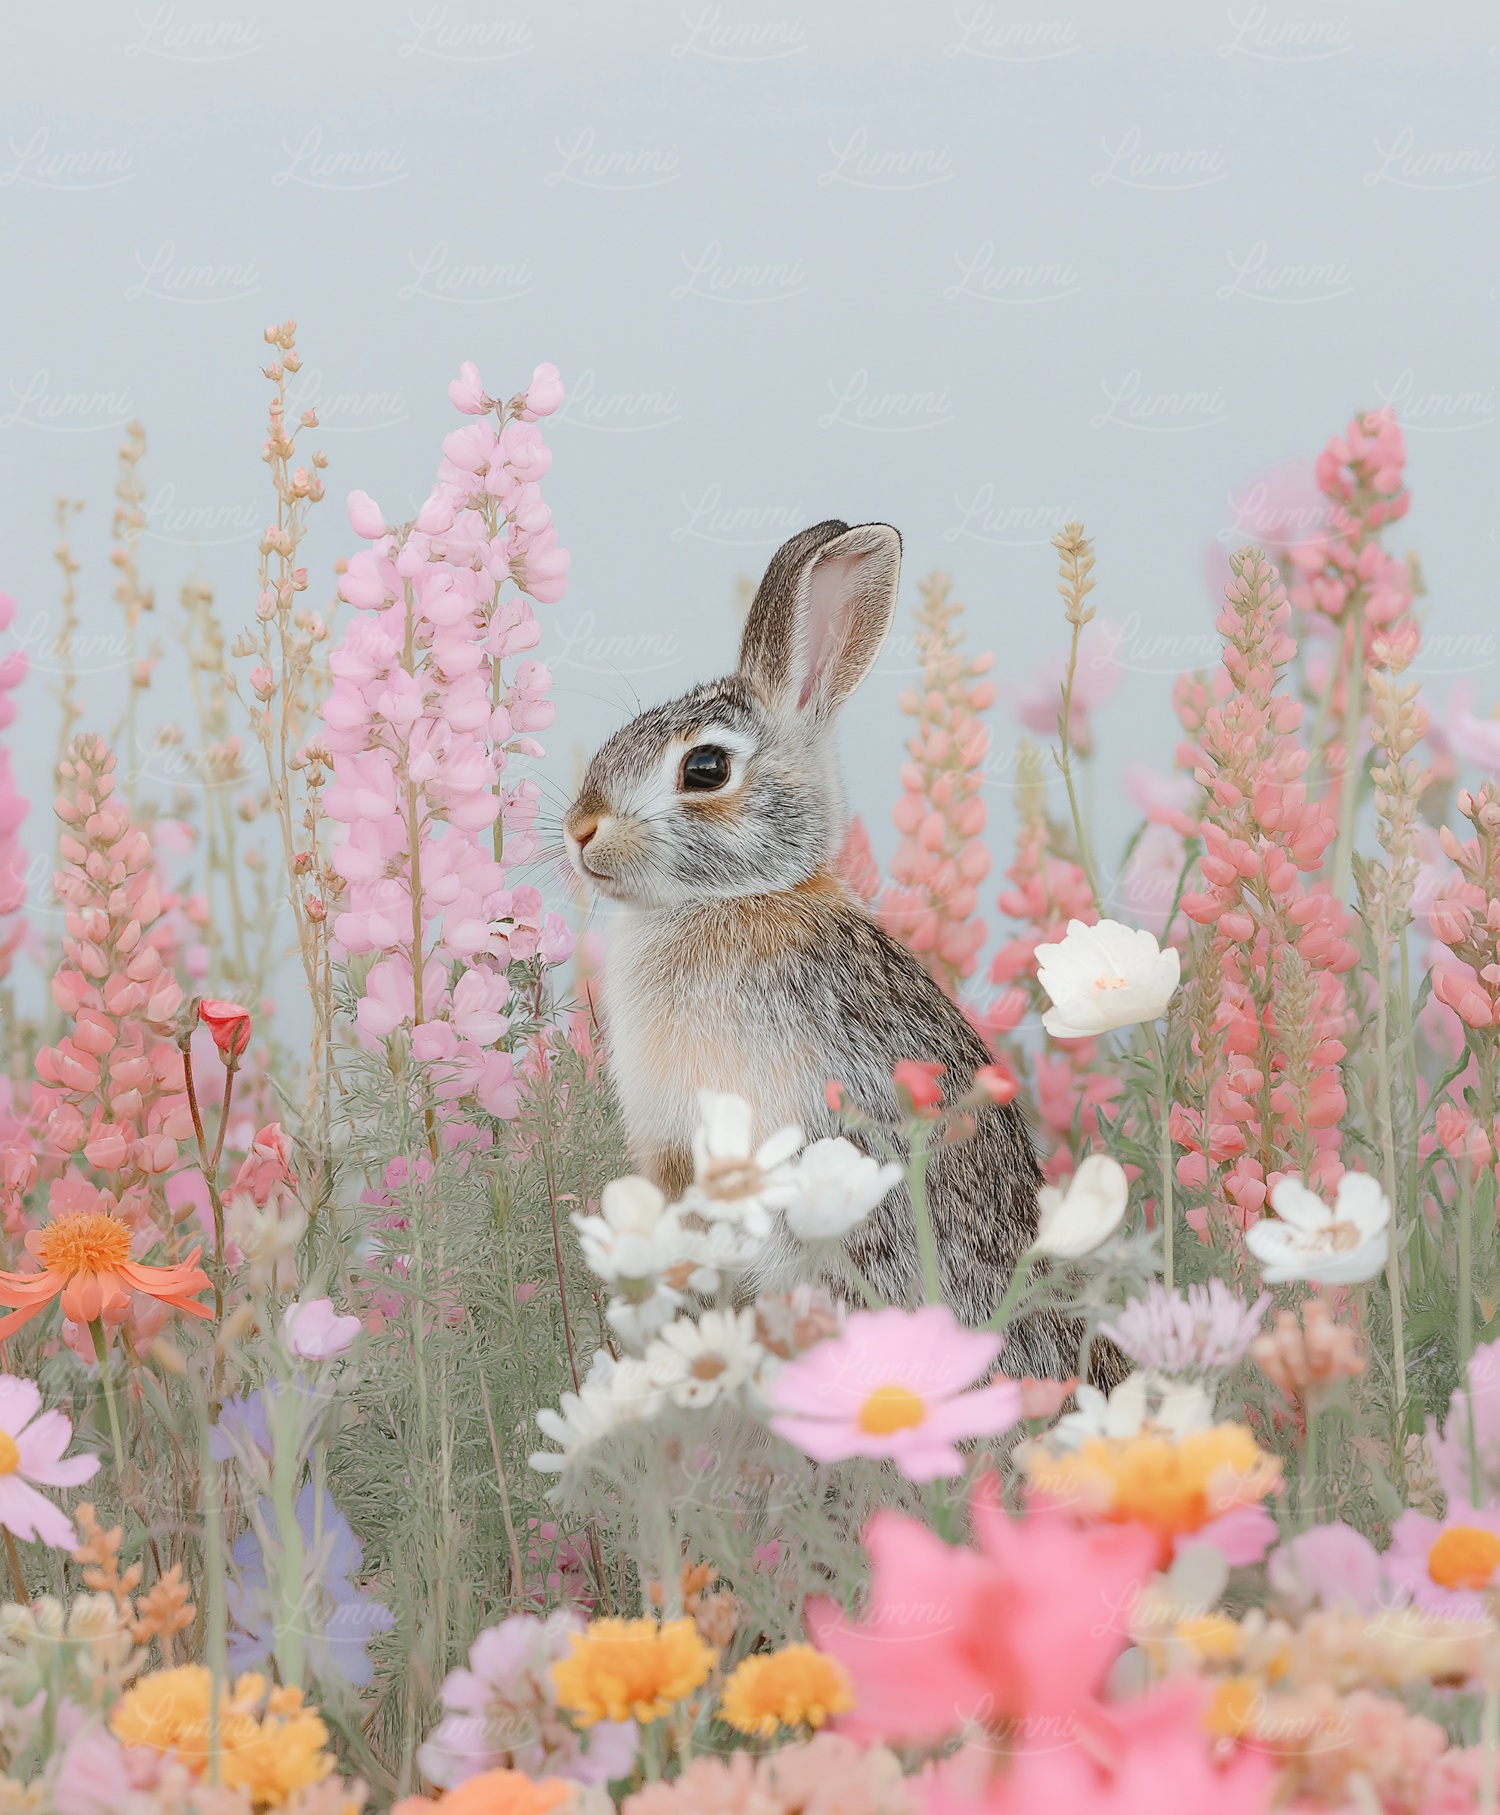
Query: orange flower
point(86, 1258)
point(495, 1793)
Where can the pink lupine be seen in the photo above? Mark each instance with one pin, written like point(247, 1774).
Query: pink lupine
point(1343, 574)
point(113, 1088)
point(422, 726)
point(1270, 1006)
point(13, 808)
point(941, 858)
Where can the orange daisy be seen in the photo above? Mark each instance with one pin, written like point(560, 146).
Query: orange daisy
point(86, 1258)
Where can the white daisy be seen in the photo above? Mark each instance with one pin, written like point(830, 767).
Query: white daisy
point(1075, 1221)
point(697, 1363)
point(1173, 1406)
point(732, 1180)
point(615, 1393)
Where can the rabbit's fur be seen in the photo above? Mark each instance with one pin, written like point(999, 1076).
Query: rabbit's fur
point(740, 961)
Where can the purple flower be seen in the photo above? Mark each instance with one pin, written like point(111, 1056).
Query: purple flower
point(1205, 1332)
point(341, 1619)
point(1333, 1564)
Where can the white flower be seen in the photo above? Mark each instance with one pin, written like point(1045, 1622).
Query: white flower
point(1104, 976)
point(637, 1320)
point(836, 1186)
point(697, 1363)
point(1337, 1247)
point(1074, 1222)
point(720, 1248)
point(635, 1237)
point(1143, 1398)
point(731, 1181)
point(615, 1393)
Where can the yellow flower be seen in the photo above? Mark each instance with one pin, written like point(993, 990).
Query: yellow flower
point(1152, 1480)
point(631, 1669)
point(795, 1687)
point(269, 1745)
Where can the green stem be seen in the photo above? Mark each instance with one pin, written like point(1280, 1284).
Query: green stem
point(1015, 1290)
point(932, 1285)
point(1310, 1469)
point(286, 1470)
point(1354, 701)
point(1164, 1097)
point(213, 1563)
point(1388, 1155)
point(1466, 1316)
point(102, 1351)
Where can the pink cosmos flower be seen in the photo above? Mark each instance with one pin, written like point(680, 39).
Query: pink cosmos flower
point(31, 1449)
point(1026, 1626)
point(1334, 1564)
point(1136, 1758)
point(1442, 1564)
point(895, 1384)
point(315, 1331)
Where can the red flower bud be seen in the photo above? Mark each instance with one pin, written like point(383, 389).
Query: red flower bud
point(228, 1023)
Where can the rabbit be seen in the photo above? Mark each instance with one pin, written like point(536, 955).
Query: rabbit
point(741, 962)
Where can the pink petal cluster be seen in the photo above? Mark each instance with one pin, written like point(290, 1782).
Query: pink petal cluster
point(1021, 1629)
point(1361, 473)
point(13, 808)
point(421, 727)
point(1466, 916)
point(1258, 1098)
point(941, 859)
point(113, 1088)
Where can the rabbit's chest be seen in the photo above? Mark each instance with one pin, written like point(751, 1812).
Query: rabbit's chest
point(700, 1012)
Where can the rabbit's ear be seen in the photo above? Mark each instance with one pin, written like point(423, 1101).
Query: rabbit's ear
point(821, 615)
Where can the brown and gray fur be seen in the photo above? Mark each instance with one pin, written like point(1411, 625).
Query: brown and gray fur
point(740, 962)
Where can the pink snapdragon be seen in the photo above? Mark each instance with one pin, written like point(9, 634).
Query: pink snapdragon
point(941, 859)
point(1268, 1095)
point(13, 808)
point(422, 726)
point(112, 1088)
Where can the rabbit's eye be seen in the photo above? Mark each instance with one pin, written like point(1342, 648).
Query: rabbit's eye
point(705, 769)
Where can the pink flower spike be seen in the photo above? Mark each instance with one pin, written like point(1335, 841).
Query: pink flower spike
point(364, 516)
point(31, 1449)
point(894, 1384)
point(316, 1332)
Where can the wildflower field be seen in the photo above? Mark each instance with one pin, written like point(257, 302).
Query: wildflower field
point(382, 1424)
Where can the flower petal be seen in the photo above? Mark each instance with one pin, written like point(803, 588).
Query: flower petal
point(20, 1401)
point(30, 1515)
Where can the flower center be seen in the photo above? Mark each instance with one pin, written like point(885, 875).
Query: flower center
point(95, 1243)
point(10, 1456)
point(1464, 1557)
point(1343, 1236)
point(726, 1180)
point(890, 1408)
point(708, 1367)
point(1109, 982)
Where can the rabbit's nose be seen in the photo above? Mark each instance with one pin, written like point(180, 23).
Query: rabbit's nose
point(584, 829)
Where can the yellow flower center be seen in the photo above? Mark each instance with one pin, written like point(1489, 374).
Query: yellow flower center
point(96, 1243)
point(1464, 1557)
point(10, 1456)
point(1109, 982)
point(890, 1408)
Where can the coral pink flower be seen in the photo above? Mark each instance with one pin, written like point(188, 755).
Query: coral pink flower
point(895, 1383)
point(919, 1079)
point(31, 1449)
point(229, 1024)
point(1134, 1758)
point(1025, 1626)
